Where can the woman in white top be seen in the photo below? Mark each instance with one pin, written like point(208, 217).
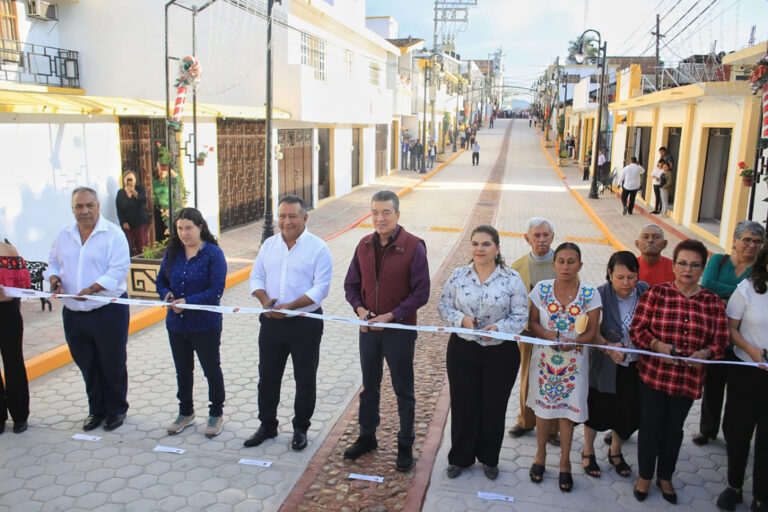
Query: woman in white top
point(746, 407)
point(656, 175)
point(485, 295)
point(561, 372)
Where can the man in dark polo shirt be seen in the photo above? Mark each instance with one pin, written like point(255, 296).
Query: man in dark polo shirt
point(387, 281)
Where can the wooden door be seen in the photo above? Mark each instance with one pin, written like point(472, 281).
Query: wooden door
point(355, 157)
point(395, 145)
point(381, 150)
point(240, 158)
point(295, 168)
point(138, 153)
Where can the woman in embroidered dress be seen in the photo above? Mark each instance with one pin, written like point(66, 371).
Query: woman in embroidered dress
point(558, 310)
point(486, 295)
point(612, 374)
point(14, 396)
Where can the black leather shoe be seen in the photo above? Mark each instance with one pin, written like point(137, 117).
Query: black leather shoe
point(518, 431)
point(19, 427)
point(92, 421)
point(608, 439)
point(758, 506)
point(260, 436)
point(363, 445)
point(113, 421)
point(729, 498)
point(701, 439)
point(639, 495)
point(404, 458)
point(671, 497)
point(299, 439)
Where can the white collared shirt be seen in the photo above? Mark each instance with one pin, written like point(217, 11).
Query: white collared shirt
point(287, 274)
point(104, 259)
point(630, 177)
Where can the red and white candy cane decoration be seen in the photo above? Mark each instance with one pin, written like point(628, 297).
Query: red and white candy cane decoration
point(189, 73)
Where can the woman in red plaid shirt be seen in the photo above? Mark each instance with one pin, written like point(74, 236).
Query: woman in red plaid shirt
point(679, 319)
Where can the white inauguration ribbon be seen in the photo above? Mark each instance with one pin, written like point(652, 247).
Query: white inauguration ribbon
point(235, 310)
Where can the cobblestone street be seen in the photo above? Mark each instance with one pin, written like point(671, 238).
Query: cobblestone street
point(46, 469)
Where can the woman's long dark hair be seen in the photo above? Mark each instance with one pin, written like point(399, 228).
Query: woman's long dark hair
point(490, 231)
point(759, 274)
point(174, 243)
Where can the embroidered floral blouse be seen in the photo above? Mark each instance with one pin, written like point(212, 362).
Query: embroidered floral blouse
point(13, 272)
point(501, 301)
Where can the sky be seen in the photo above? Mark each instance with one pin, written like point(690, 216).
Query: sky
point(533, 33)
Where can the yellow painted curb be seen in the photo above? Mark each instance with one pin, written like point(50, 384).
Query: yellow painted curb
point(615, 242)
point(60, 356)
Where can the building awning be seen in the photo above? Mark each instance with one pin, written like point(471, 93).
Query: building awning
point(52, 103)
point(686, 93)
point(454, 78)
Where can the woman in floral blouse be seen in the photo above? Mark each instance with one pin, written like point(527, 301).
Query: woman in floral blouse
point(679, 319)
point(559, 308)
point(489, 296)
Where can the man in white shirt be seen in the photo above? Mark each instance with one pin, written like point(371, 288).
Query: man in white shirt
point(630, 182)
point(292, 271)
point(91, 257)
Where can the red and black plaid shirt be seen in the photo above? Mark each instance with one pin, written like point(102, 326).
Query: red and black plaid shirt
point(689, 324)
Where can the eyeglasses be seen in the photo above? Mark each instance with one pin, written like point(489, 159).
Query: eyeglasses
point(692, 266)
point(750, 241)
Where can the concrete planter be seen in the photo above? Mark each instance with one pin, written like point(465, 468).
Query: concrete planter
point(142, 276)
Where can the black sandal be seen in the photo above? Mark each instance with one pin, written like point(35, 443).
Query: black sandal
point(592, 469)
point(566, 482)
point(622, 468)
point(536, 473)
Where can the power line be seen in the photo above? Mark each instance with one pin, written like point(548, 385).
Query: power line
point(673, 25)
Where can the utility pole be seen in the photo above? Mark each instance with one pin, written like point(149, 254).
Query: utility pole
point(658, 38)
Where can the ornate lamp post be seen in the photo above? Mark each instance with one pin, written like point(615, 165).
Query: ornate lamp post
point(579, 56)
point(269, 228)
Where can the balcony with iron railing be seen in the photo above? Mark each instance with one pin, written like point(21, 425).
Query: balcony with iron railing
point(27, 63)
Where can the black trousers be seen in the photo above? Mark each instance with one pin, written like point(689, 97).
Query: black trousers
point(480, 380)
point(628, 199)
point(475, 158)
point(585, 174)
point(657, 195)
point(714, 393)
point(661, 432)
point(298, 337)
point(97, 341)
point(397, 347)
point(746, 411)
point(206, 344)
point(14, 396)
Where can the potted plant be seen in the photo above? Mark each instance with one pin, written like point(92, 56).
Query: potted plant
point(201, 156)
point(747, 175)
point(563, 156)
point(164, 157)
point(144, 270)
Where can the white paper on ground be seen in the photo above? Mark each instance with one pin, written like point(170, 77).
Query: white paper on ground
point(86, 437)
point(168, 449)
point(370, 478)
point(254, 462)
point(494, 496)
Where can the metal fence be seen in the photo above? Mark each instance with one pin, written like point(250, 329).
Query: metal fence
point(37, 64)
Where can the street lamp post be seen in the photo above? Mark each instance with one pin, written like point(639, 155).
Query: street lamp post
point(423, 169)
point(456, 118)
point(596, 142)
point(269, 228)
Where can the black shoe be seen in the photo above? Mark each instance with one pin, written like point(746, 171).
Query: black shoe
point(113, 421)
point(671, 497)
point(608, 439)
point(554, 439)
point(260, 436)
point(639, 495)
point(518, 431)
point(758, 506)
point(491, 472)
point(404, 458)
point(19, 427)
point(565, 481)
point(453, 471)
point(92, 421)
point(363, 445)
point(729, 498)
point(701, 439)
point(299, 439)
point(625, 211)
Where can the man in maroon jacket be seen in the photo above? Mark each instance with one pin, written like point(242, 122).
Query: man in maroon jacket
point(387, 281)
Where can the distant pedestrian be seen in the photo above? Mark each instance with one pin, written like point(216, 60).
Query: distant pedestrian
point(481, 370)
point(412, 152)
point(664, 155)
point(96, 332)
point(193, 271)
point(14, 395)
point(570, 143)
point(475, 153)
point(656, 175)
point(600, 164)
point(404, 149)
point(587, 165)
point(131, 206)
point(292, 271)
point(630, 181)
point(387, 281)
point(530, 121)
point(432, 154)
point(667, 187)
point(493, 117)
point(746, 409)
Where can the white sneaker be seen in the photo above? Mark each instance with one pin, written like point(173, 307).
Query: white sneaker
point(180, 424)
point(214, 426)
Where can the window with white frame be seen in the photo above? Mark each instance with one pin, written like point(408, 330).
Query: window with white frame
point(313, 54)
point(375, 73)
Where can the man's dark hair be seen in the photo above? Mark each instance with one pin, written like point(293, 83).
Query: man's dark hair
point(387, 195)
point(663, 148)
point(291, 199)
point(633, 159)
